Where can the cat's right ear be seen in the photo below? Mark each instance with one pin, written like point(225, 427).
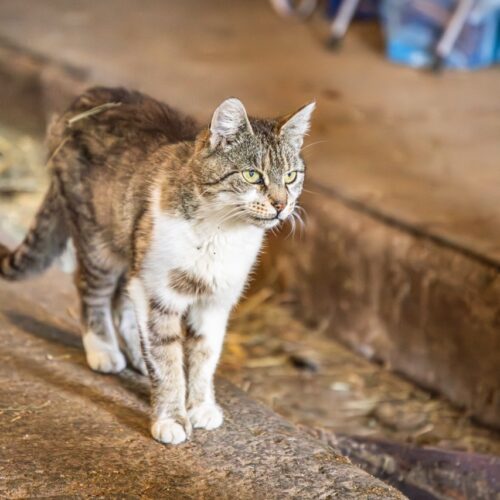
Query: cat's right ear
point(228, 120)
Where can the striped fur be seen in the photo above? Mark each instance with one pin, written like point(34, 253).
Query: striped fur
point(187, 284)
point(46, 239)
point(166, 227)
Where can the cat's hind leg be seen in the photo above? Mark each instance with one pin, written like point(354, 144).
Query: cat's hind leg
point(96, 287)
point(128, 330)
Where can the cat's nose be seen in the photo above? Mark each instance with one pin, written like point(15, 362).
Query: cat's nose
point(278, 205)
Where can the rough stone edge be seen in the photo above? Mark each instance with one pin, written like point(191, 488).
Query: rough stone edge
point(253, 441)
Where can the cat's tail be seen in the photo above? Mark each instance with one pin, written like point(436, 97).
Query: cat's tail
point(45, 241)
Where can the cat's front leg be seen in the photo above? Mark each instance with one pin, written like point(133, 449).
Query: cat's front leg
point(161, 341)
point(206, 326)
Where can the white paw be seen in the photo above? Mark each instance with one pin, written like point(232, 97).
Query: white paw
point(169, 431)
point(206, 416)
point(109, 361)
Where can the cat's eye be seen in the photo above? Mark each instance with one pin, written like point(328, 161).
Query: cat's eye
point(252, 176)
point(290, 177)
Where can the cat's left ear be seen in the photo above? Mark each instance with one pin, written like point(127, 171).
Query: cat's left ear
point(228, 120)
point(294, 127)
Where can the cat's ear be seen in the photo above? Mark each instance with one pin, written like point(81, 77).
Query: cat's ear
point(294, 127)
point(228, 120)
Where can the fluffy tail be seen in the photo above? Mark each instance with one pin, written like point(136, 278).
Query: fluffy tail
point(45, 241)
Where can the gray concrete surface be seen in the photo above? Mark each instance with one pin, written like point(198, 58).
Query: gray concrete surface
point(69, 432)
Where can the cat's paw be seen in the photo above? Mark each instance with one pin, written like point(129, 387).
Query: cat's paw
point(170, 431)
point(106, 361)
point(206, 416)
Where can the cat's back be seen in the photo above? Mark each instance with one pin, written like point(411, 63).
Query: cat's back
point(106, 151)
point(109, 121)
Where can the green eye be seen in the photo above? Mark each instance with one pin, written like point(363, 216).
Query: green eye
point(290, 177)
point(252, 176)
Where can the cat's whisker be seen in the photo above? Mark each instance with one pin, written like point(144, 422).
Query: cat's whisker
point(300, 213)
point(215, 207)
point(313, 144)
point(221, 218)
point(300, 221)
point(310, 191)
point(274, 230)
point(295, 221)
point(291, 221)
point(234, 212)
point(227, 218)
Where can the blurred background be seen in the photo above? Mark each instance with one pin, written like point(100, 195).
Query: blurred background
point(377, 324)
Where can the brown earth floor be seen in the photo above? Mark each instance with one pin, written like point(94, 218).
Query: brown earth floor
point(297, 370)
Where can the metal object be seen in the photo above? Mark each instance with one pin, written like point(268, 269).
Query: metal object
point(341, 23)
point(302, 9)
point(290, 8)
point(451, 33)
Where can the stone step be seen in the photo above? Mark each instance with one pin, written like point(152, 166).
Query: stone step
point(67, 431)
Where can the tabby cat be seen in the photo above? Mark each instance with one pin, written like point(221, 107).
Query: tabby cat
point(167, 219)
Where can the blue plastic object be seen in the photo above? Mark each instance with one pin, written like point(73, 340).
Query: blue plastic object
point(414, 27)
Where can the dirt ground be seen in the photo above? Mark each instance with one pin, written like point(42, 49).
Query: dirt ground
point(297, 370)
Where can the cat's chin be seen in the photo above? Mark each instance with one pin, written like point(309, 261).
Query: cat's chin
point(272, 224)
point(263, 222)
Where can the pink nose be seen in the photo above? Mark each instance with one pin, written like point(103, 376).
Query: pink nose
point(278, 205)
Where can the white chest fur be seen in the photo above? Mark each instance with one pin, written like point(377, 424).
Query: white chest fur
point(220, 256)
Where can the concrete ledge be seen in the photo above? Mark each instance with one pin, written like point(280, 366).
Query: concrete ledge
point(67, 431)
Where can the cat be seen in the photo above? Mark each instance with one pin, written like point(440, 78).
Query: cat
point(167, 219)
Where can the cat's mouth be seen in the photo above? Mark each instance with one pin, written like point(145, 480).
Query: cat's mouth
point(264, 218)
point(266, 222)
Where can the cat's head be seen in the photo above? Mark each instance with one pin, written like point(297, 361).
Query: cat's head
point(252, 169)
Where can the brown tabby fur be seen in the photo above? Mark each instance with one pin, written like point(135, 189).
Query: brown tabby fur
point(109, 154)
